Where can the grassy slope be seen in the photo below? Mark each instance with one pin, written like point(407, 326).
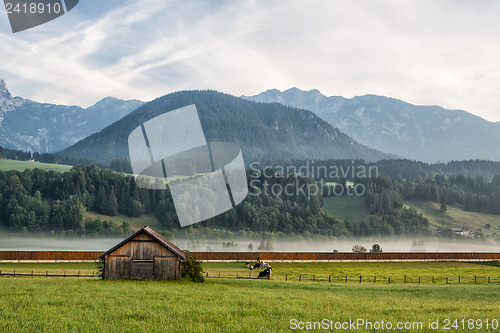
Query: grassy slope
point(135, 222)
point(455, 217)
point(85, 305)
point(23, 165)
point(345, 207)
point(354, 209)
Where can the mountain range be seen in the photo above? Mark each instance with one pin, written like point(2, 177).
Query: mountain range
point(424, 133)
point(31, 126)
point(261, 130)
point(291, 126)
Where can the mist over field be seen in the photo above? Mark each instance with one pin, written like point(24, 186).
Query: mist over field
point(242, 245)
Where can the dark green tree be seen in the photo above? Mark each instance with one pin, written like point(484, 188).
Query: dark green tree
point(191, 269)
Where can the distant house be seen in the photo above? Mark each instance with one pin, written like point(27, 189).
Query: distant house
point(144, 255)
point(464, 231)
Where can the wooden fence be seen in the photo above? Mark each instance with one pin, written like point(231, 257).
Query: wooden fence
point(53, 256)
point(56, 256)
point(345, 256)
point(47, 274)
point(459, 279)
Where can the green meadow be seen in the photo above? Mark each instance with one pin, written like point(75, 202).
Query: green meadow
point(57, 304)
point(379, 272)
point(307, 271)
point(354, 209)
point(23, 165)
point(230, 305)
point(346, 208)
point(455, 217)
point(136, 223)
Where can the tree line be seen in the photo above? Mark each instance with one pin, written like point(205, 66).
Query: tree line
point(40, 200)
point(37, 200)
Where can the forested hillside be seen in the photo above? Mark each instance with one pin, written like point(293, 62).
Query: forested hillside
point(261, 130)
point(54, 202)
point(36, 200)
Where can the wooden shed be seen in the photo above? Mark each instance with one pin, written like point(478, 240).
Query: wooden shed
point(144, 255)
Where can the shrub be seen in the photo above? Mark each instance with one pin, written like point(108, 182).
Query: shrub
point(377, 248)
point(358, 249)
point(100, 268)
point(191, 269)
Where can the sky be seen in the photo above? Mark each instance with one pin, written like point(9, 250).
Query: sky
point(425, 52)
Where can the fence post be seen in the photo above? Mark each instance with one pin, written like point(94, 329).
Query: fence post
point(329, 278)
point(14, 272)
point(446, 280)
point(475, 278)
point(389, 280)
point(31, 273)
point(489, 279)
point(360, 279)
point(46, 273)
point(236, 274)
point(78, 273)
point(374, 279)
point(219, 274)
point(459, 279)
point(419, 279)
point(286, 277)
point(405, 278)
point(346, 279)
point(64, 273)
point(300, 277)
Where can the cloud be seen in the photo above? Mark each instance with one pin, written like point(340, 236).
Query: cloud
point(424, 52)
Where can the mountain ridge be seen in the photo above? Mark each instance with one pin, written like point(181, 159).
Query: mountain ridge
point(261, 130)
point(424, 133)
point(32, 126)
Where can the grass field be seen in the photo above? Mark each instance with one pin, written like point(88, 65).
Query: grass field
point(354, 209)
point(345, 207)
point(368, 271)
point(23, 165)
point(136, 223)
point(455, 217)
point(321, 271)
point(220, 305)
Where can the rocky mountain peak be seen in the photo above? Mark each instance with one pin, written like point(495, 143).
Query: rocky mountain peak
point(4, 92)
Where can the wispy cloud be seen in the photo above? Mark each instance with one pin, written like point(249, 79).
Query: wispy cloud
point(425, 52)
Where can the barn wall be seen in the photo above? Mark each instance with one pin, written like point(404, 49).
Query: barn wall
point(142, 247)
point(167, 268)
point(142, 258)
point(117, 268)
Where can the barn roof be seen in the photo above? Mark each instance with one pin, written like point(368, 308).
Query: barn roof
point(153, 234)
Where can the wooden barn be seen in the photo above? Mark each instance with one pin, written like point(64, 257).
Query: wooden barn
point(144, 255)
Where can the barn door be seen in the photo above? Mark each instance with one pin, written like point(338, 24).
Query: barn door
point(143, 269)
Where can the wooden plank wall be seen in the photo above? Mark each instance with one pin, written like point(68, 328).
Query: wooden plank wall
point(142, 247)
point(167, 269)
point(117, 268)
point(347, 256)
point(50, 255)
point(252, 256)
